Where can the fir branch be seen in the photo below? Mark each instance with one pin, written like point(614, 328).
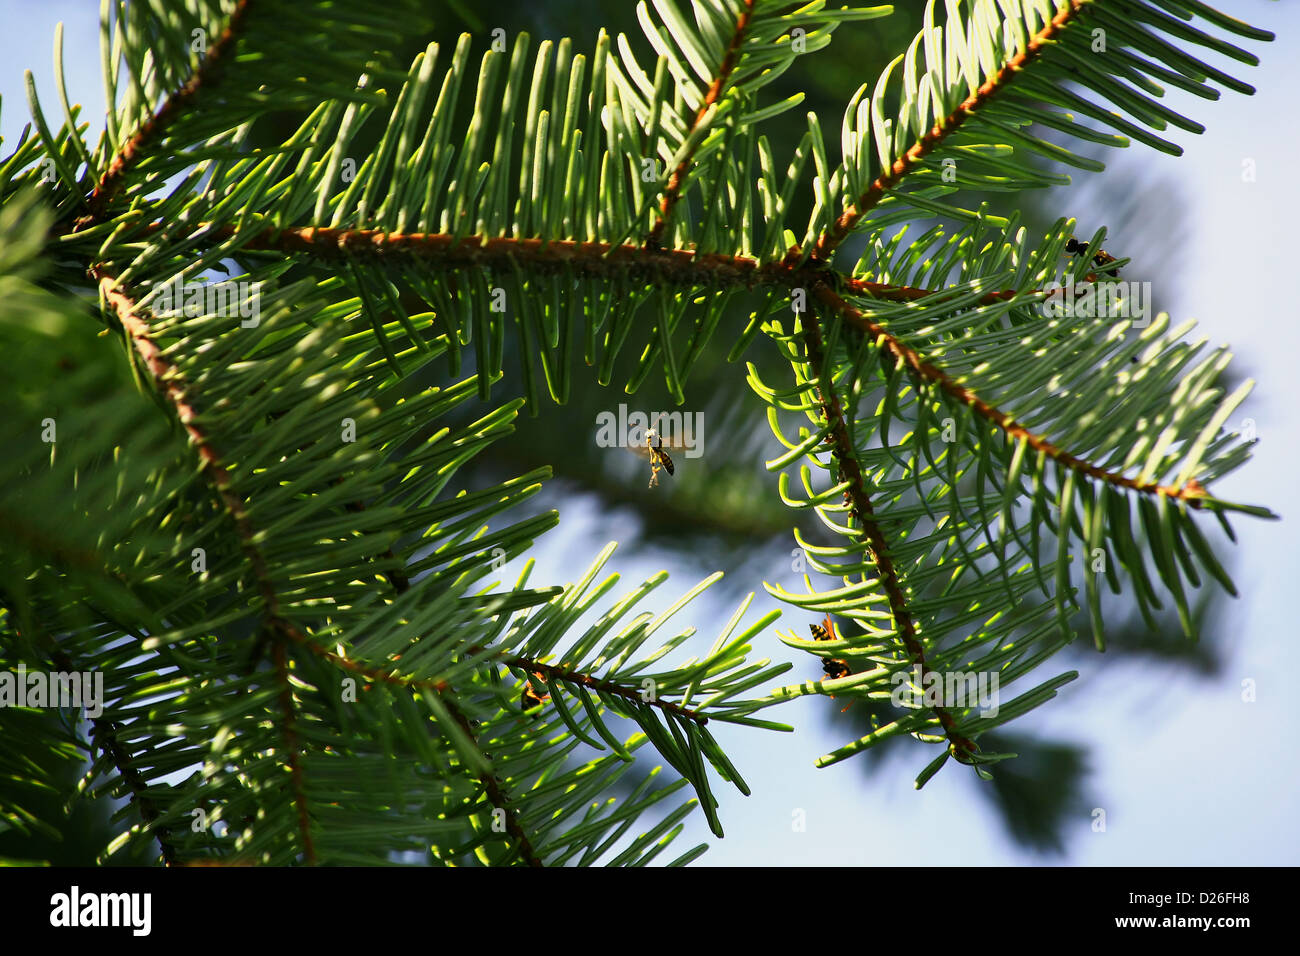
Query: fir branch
point(853, 213)
point(859, 501)
point(686, 267)
point(167, 377)
point(673, 191)
point(175, 105)
point(1191, 492)
point(104, 735)
point(674, 266)
point(557, 673)
point(587, 259)
point(288, 728)
point(106, 739)
point(608, 687)
point(496, 796)
point(579, 179)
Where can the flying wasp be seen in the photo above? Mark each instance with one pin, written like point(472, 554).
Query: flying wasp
point(1100, 258)
point(658, 457)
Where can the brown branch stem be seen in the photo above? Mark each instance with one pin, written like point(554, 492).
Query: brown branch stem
point(859, 502)
point(1192, 492)
point(586, 259)
point(673, 191)
point(854, 212)
point(686, 267)
point(496, 796)
point(176, 104)
point(609, 687)
point(168, 378)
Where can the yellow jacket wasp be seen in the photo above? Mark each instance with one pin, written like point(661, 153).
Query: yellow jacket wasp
point(1100, 258)
point(530, 698)
point(833, 667)
point(655, 443)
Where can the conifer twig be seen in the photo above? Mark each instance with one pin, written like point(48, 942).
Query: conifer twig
point(214, 60)
point(1191, 492)
point(673, 191)
point(859, 502)
point(608, 687)
point(853, 213)
point(169, 380)
point(685, 267)
point(104, 734)
point(496, 796)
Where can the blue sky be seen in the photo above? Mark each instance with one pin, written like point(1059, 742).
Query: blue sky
point(1187, 772)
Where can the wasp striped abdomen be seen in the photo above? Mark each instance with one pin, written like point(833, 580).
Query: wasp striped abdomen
point(833, 667)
